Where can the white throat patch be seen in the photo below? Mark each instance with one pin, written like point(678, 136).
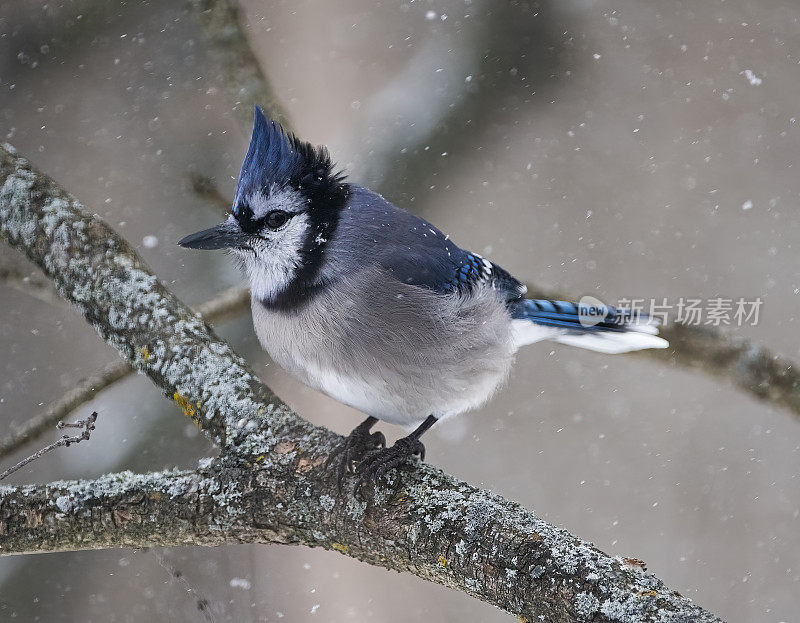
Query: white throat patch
point(275, 258)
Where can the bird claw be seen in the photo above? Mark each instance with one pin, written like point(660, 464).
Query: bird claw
point(376, 465)
point(351, 452)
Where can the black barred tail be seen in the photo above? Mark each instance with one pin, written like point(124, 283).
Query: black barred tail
point(589, 325)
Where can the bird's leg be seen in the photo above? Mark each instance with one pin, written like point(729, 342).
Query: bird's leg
point(355, 446)
point(376, 465)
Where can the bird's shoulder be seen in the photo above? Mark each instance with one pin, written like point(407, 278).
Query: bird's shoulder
point(414, 251)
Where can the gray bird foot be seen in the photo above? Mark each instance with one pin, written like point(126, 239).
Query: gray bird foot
point(379, 463)
point(351, 452)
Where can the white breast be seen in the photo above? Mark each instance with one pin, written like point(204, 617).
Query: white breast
point(398, 354)
point(306, 354)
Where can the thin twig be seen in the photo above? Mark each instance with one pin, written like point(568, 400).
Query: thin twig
point(82, 393)
point(66, 441)
point(226, 304)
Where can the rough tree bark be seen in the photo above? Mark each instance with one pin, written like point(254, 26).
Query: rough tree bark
point(269, 483)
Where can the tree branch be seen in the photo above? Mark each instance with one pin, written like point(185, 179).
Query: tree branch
point(751, 367)
point(224, 305)
point(206, 188)
point(435, 527)
point(270, 483)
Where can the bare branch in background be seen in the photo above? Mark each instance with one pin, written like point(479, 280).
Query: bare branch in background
point(270, 483)
point(87, 425)
point(14, 277)
point(239, 69)
point(225, 305)
point(751, 367)
point(206, 188)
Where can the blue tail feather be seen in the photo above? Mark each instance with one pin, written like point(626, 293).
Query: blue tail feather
point(575, 316)
point(595, 327)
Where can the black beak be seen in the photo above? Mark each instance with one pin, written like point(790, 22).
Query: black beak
point(223, 236)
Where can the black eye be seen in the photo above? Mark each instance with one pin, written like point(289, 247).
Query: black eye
point(276, 218)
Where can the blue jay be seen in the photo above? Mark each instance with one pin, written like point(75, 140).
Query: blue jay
point(376, 307)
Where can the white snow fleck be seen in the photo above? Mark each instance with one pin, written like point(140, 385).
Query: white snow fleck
point(430, 15)
point(597, 56)
point(314, 608)
point(150, 242)
point(752, 78)
point(242, 583)
point(747, 205)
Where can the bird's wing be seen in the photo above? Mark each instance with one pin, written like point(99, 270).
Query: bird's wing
point(424, 256)
point(414, 251)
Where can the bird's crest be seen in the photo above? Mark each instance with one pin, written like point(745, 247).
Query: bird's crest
point(277, 159)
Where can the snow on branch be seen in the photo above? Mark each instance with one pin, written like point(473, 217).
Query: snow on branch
point(270, 484)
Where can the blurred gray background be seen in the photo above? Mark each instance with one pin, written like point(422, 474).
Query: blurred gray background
point(601, 147)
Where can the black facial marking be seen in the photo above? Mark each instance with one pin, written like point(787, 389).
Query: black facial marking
point(243, 213)
point(274, 219)
point(323, 217)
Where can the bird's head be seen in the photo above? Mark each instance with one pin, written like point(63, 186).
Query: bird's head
point(286, 208)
